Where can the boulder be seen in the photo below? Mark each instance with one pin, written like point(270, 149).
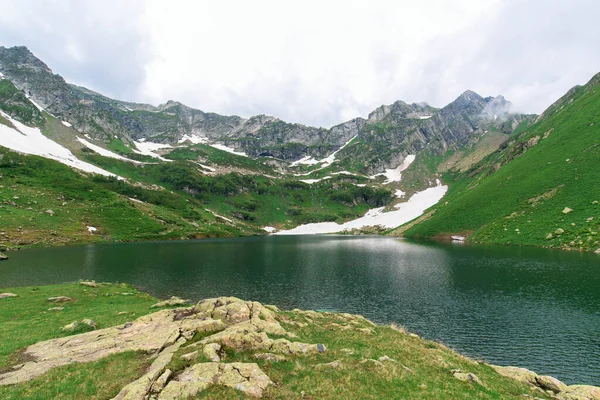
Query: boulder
point(466, 377)
point(60, 299)
point(559, 231)
point(6, 295)
point(245, 377)
point(190, 356)
point(89, 283)
point(580, 392)
point(385, 359)
point(90, 323)
point(211, 351)
point(56, 308)
point(550, 383)
point(70, 328)
point(161, 382)
point(567, 210)
point(520, 374)
point(173, 301)
point(3, 256)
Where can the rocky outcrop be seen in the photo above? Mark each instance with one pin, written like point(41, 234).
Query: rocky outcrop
point(245, 377)
point(227, 323)
point(550, 384)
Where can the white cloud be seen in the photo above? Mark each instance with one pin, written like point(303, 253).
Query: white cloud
point(318, 63)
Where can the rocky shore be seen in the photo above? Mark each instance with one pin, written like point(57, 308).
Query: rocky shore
point(232, 343)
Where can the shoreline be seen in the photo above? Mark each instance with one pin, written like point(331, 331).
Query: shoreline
point(291, 326)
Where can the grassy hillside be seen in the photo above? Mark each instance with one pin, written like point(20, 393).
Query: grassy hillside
point(418, 369)
point(43, 202)
point(540, 189)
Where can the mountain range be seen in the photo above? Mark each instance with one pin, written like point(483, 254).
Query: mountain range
point(190, 173)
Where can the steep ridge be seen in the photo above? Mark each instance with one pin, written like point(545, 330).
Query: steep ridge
point(383, 140)
point(540, 189)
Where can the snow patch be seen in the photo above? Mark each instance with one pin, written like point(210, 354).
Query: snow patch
point(404, 212)
point(65, 123)
point(228, 149)
point(29, 140)
point(195, 139)
point(211, 169)
point(424, 116)
point(103, 152)
point(395, 174)
point(135, 200)
point(91, 229)
point(1, 75)
point(220, 216)
point(35, 104)
point(311, 181)
point(326, 162)
point(270, 229)
point(149, 148)
point(308, 160)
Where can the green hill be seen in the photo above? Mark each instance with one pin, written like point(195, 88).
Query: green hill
point(541, 188)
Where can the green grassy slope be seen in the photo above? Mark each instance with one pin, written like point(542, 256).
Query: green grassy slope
point(421, 369)
point(517, 195)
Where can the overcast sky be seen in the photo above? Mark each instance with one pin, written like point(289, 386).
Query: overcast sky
point(314, 62)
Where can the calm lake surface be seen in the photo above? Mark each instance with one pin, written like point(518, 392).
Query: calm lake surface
point(534, 308)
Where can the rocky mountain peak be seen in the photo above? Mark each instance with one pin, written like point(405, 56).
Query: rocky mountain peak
point(20, 58)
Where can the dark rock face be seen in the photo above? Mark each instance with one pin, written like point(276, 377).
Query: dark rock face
point(382, 140)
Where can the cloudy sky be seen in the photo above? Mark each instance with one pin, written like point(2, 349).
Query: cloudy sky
point(314, 62)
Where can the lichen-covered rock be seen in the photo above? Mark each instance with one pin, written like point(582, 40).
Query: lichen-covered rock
point(90, 323)
point(150, 333)
point(520, 374)
point(246, 377)
point(190, 356)
point(173, 301)
point(580, 392)
point(161, 382)
point(70, 328)
point(60, 299)
point(550, 383)
point(466, 377)
point(191, 381)
point(138, 389)
point(231, 323)
point(211, 351)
